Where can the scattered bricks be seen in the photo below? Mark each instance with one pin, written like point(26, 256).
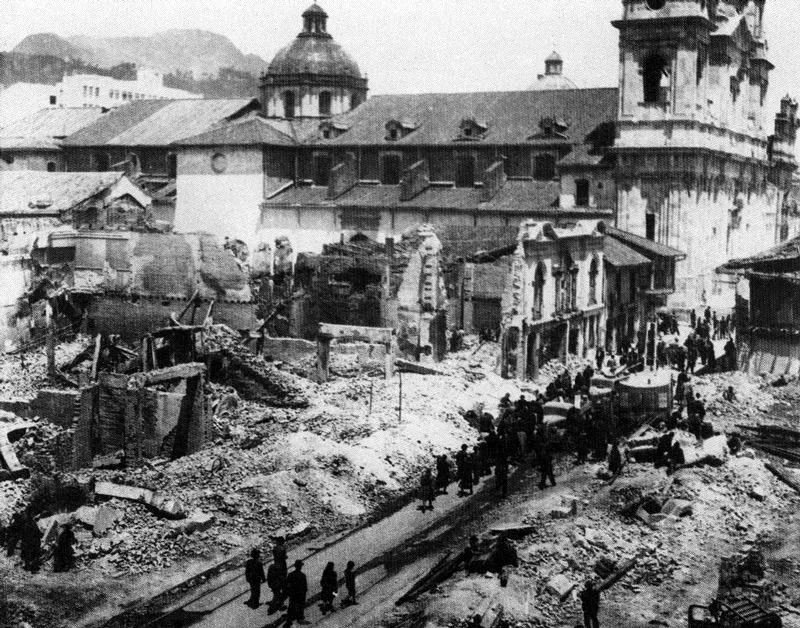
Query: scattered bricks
point(110, 461)
point(86, 515)
point(105, 518)
point(560, 586)
point(196, 522)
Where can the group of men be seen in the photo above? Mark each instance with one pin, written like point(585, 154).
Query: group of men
point(24, 532)
point(293, 586)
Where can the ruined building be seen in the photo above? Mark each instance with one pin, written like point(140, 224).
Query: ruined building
point(553, 303)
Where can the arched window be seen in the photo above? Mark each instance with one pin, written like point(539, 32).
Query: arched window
point(51, 166)
point(538, 292)
point(288, 105)
point(655, 73)
point(325, 103)
point(582, 193)
point(594, 272)
point(545, 167)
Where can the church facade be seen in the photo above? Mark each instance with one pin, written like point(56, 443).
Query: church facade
point(681, 152)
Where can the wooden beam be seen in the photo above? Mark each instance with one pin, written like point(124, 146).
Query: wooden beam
point(98, 341)
point(783, 476)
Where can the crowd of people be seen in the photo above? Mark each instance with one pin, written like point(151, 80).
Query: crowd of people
point(699, 344)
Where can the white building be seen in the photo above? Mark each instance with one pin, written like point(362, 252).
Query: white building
point(91, 90)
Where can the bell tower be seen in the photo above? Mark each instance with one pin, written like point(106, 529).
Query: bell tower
point(693, 160)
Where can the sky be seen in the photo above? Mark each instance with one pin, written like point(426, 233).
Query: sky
point(404, 46)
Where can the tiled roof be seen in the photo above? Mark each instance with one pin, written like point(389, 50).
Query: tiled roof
point(618, 254)
point(159, 122)
point(643, 245)
point(49, 193)
point(782, 254)
point(511, 117)
point(56, 122)
point(253, 130)
point(29, 143)
point(515, 196)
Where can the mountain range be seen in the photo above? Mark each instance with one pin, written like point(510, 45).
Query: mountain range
point(202, 52)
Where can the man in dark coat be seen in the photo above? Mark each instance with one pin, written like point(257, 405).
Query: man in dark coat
point(730, 355)
point(464, 462)
point(276, 581)
point(546, 468)
point(329, 587)
point(711, 356)
point(614, 460)
point(442, 474)
point(296, 589)
point(350, 584)
point(254, 575)
point(279, 552)
point(64, 554)
point(31, 544)
point(600, 355)
point(590, 604)
point(427, 492)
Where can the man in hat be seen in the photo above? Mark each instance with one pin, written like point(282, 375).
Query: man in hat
point(296, 589)
point(254, 575)
point(590, 604)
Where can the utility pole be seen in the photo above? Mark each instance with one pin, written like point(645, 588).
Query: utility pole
point(400, 406)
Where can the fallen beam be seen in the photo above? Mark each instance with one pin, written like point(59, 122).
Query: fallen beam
point(618, 574)
point(415, 367)
point(776, 451)
point(430, 579)
point(783, 476)
point(162, 505)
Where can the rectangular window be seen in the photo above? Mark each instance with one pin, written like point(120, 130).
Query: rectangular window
point(650, 226)
point(322, 170)
point(465, 172)
point(391, 169)
point(582, 193)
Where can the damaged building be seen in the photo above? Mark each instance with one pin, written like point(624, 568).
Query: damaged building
point(768, 328)
point(553, 303)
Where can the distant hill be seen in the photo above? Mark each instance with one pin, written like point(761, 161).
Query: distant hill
point(200, 52)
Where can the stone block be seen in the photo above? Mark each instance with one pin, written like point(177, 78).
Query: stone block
point(166, 506)
point(560, 586)
point(86, 515)
point(132, 493)
point(677, 507)
point(105, 518)
point(196, 522)
point(758, 493)
point(561, 513)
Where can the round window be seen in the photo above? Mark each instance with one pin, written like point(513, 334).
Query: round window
point(656, 4)
point(219, 162)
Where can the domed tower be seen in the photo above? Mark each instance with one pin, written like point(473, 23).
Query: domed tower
point(553, 77)
point(312, 77)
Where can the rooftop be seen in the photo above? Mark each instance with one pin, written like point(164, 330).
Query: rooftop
point(160, 122)
point(54, 122)
point(49, 193)
point(785, 256)
point(643, 245)
point(620, 255)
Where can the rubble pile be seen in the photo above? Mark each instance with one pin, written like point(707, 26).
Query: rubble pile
point(22, 376)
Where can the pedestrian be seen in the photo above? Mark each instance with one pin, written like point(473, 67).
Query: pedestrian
point(296, 589)
point(614, 460)
point(693, 318)
point(427, 493)
point(582, 447)
point(711, 356)
point(276, 581)
point(600, 355)
point(329, 584)
point(730, 355)
point(546, 468)
point(279, 552)
point(729, 394)
point(254, 575)
point(676, 457)
point(590, 604)
point(64, 554)
point(465, 478)
point(501, 477)
point(461, 459)
point(31, 544)
point(350, 584)
point(14, 532)
point(442, 474)
point(486, 422)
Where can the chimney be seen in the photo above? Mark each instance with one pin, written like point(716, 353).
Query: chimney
point(344, 177)
point(415, 181)
point(493, 181)
point(786, 121)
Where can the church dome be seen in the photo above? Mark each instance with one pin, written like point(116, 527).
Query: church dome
point(314, 51)
point(553, 77)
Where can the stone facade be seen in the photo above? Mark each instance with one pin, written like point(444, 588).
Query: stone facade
point(697, 166)
point(554, 302)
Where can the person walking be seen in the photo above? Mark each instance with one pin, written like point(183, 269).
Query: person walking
point(442, 474)
point(31, 544)
point(614, 460)
point(590, 605)
point(276, 581)
point(296, 589)
point(329, 583)
point(465, 474)
point(350, 584)
point(64, 554)
point(426, 492)
point(546, 468)
point(254, 575)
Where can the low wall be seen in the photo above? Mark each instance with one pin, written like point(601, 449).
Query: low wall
point(55, 406)
point(295, 350)
point(773, 355)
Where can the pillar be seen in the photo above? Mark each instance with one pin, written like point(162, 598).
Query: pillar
point(564, 349)
point(323, 357)
point(537, 341)
point(522, 354)
point(581, 338)
point(388, 370)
